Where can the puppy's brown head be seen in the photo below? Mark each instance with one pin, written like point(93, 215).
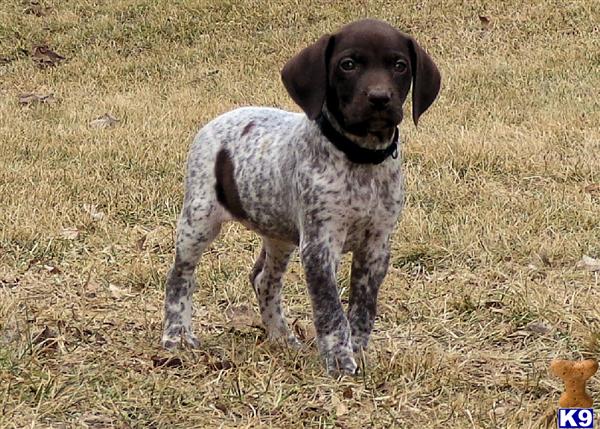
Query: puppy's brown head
point(363, 73)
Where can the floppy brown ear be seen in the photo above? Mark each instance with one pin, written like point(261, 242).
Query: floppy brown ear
point(305, 76)
point(426, 80)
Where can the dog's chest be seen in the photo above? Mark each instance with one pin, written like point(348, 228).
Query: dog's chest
point(358, 197)
point(373, 197)
point(373, 206)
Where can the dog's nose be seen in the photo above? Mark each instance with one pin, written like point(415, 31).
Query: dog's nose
point(379, 98)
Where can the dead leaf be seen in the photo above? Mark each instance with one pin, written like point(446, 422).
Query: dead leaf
point(499, 411)
point(104, 121)
point(91, 289)
point(304, 331)
point(589, 263)
point(9, 281)
point(221, 407)
point(9, 331)
point(242, 317)
point(485, 22)
point(340, 408)
point(92, 210)
point(46, 338)
point(166, 362)
point(116, 292)
point(52, 269)
point(538, 328)
point(347, 393)
point(139, 243)
point(593, 189)
point(535, 273)
point(71, 233)
point(99, 338)
point(493, 304)
point(519, 333)
point(31, 98)
point(46, 57)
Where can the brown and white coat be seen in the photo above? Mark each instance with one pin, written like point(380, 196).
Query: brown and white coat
point(278, 174)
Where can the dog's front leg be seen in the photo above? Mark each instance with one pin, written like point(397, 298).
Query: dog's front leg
point(369, 267)
point(320, 253)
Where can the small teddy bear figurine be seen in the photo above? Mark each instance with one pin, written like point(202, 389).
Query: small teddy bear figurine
point(574, 374)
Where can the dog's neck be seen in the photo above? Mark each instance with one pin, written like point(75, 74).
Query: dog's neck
point(372, 141)
point(354, 151)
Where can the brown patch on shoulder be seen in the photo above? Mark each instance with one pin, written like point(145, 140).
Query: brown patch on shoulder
point(248, 128)
point(227, 192)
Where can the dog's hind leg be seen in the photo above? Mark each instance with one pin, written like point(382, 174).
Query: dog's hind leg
point(198, 225)
point(266, 278)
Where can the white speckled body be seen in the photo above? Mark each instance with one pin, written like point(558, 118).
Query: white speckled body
point(296, 189)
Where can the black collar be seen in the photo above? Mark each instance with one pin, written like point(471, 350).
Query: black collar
point(354, 152)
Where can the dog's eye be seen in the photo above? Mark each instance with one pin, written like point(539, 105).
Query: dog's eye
point(400, 66)
point(348, 64)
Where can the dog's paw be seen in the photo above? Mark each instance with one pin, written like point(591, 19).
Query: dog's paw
point(336, 349)
point(284, 337)
point(174, 336)
point(341, 363)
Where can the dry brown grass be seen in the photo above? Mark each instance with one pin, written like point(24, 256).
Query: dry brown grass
point(483, 289)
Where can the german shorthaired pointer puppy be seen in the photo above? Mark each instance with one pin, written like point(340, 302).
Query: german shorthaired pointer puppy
point(327, 180)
